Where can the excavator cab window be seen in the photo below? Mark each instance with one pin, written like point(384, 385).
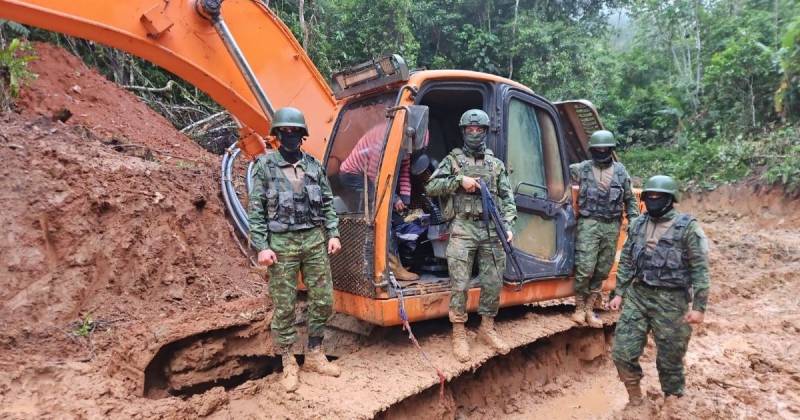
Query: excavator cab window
point(356, 151)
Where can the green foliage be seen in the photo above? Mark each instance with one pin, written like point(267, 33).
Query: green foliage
point(693, 88)
point(781, 157)
point(743, 76)
point(774, 158)
point(345, 32)
point(84, 327)
point(11, 30)
point(14, 72)
point(787, 96)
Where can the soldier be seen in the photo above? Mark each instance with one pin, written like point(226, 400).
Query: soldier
point(664, 262)
point(456, 178)
point(291, 219)
point(605, 189)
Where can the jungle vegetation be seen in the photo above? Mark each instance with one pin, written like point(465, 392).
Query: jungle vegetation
point(706, 90)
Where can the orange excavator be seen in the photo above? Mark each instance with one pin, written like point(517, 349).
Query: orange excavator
point(247, 60)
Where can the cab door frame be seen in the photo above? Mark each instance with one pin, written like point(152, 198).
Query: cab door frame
point(562, 212)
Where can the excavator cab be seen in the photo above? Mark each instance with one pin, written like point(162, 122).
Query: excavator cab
point(377, 135)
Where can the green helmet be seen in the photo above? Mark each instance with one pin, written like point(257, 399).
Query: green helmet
point(664, 184)
point(474, 117)
point(602, 138)
point(288, 117)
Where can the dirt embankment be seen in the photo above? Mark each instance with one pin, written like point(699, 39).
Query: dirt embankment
point(115, 214)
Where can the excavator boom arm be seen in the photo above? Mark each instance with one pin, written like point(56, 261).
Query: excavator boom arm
point(174, 36)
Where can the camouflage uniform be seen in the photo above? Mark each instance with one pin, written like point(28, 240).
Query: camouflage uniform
point(663, 263)
point(469, 236)
point(600, 205)
point(291, 212)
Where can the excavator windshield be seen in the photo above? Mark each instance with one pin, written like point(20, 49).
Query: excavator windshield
point(356, 151)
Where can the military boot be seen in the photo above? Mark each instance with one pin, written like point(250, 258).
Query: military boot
point(289, 380)
point(579, 316)
point(591, 318)
point(670, 405)
point(635, 398)
point(316, 361)
point(460, 346)
point(631, 381)
point(400, 273)
point(489, 335)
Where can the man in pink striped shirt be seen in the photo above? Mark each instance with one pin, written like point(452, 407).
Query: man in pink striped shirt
point(366, 155)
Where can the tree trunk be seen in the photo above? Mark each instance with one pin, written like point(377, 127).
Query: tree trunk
point(752, 103)
point(303, 27)
point(514, 40)
point(776, 5)
point(698, 91)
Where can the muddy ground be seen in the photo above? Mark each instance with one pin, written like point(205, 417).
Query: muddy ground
point(114, 230)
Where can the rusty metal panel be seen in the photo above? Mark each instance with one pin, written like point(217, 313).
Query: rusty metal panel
point(353, 266)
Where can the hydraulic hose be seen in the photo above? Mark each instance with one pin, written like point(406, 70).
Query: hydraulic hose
point(232, 203)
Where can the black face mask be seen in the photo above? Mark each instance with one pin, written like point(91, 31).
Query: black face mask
point(603, 158)
point(290, 141)
point(657, 207)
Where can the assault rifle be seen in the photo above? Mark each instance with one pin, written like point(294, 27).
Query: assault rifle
point(490, 212)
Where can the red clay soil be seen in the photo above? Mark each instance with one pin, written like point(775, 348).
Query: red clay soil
point(98, 222)
point(65, 82)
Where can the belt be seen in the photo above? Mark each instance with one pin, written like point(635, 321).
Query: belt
point(471, 217)
point(290, 229)
point(650, 286)
point(603, 219)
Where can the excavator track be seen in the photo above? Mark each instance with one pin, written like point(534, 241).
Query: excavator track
point(221, 346)
point(230, 346)
point(379, 377)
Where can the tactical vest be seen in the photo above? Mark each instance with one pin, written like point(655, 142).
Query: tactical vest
point(466, 204)
point(593, 201)
point(290, 211)
point(668, 264)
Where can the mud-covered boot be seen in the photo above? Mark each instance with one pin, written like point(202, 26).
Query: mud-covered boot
point(670, 405)
point(489, 335)
point(290, 379)
point(631, 381)
point(579, 316)
point(591, 318)
point(400, 273)
point(316, 361)
point(635, 398)
point(460, 346)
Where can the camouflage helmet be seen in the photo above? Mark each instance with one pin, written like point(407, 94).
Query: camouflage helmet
point(663, 184)
point(602, 138)
point(474, 117)
point(288, 117)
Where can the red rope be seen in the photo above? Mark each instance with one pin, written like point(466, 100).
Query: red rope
point(407, 327)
